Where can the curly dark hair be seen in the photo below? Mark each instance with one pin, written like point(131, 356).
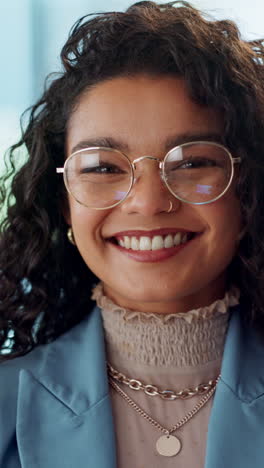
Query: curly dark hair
point(44, 281)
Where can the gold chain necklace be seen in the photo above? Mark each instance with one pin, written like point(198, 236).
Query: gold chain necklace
point(152, 390)
point(167, 444)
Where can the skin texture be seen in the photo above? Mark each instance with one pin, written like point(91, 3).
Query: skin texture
point(145, 114)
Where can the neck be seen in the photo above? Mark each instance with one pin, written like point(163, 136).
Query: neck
point(171, 304)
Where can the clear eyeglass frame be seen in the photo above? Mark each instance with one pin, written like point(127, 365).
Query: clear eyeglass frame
point(161, 164)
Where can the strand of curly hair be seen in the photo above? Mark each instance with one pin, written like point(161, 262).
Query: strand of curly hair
point(44, 283)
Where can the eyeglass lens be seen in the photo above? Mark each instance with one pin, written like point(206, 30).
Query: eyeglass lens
point(101, 178)
point(198, 173)
point(98, 178)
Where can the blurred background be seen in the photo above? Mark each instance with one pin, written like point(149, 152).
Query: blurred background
point(33, 31)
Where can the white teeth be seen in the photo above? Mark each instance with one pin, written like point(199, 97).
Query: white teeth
point(145, 243)
point(157, 243)
point(134, 243)
point(177, 239)
point(184, 238)
point(168, 241)
point(154, 243)
point(127, 242)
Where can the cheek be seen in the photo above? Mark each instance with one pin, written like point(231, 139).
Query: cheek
point(224, 222)
point(85, 223)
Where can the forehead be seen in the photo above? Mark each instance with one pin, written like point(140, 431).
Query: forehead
point(142, 112)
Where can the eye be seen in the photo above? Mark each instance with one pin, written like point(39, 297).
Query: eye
point(104, 168)
point(197, 163)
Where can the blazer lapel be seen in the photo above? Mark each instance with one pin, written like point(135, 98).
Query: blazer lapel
point(64, 417)
point(236, 427)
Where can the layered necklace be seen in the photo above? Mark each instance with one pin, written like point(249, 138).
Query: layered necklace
point(167, 445)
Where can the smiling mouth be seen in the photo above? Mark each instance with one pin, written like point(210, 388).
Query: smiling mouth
point(152, 243)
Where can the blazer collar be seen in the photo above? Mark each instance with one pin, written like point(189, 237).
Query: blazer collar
point(64, 416)
point(74, 368)
point(242, 366)
point(235, 433)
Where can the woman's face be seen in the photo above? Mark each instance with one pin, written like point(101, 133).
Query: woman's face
point(143, 114)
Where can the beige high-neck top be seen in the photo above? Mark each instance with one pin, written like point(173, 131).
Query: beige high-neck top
point(174, 352)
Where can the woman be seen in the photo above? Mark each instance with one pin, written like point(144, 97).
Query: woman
point(143, 192)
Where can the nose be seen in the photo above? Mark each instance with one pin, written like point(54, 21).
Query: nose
point(149, 194)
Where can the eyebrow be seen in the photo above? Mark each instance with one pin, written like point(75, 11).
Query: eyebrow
point(170, 142)
point(107, 142)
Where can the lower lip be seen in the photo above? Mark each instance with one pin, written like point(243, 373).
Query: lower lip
point(153, 256)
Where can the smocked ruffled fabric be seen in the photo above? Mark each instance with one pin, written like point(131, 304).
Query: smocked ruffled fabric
point(220, 306)
point(192, 338)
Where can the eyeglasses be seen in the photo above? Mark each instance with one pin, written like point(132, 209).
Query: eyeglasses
point(198, 173)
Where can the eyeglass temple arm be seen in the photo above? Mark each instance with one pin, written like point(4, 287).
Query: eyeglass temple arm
point(59, 170)
point(236, 160)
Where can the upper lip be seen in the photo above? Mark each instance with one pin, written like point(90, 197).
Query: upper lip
point(149, 233)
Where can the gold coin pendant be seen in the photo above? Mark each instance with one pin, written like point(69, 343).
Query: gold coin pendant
point(168, 445)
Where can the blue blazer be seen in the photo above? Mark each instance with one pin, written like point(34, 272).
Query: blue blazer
point(55, 410)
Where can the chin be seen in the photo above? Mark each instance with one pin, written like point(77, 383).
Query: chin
point(145, 298)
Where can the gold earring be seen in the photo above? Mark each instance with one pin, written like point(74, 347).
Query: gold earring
point(71, 236)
